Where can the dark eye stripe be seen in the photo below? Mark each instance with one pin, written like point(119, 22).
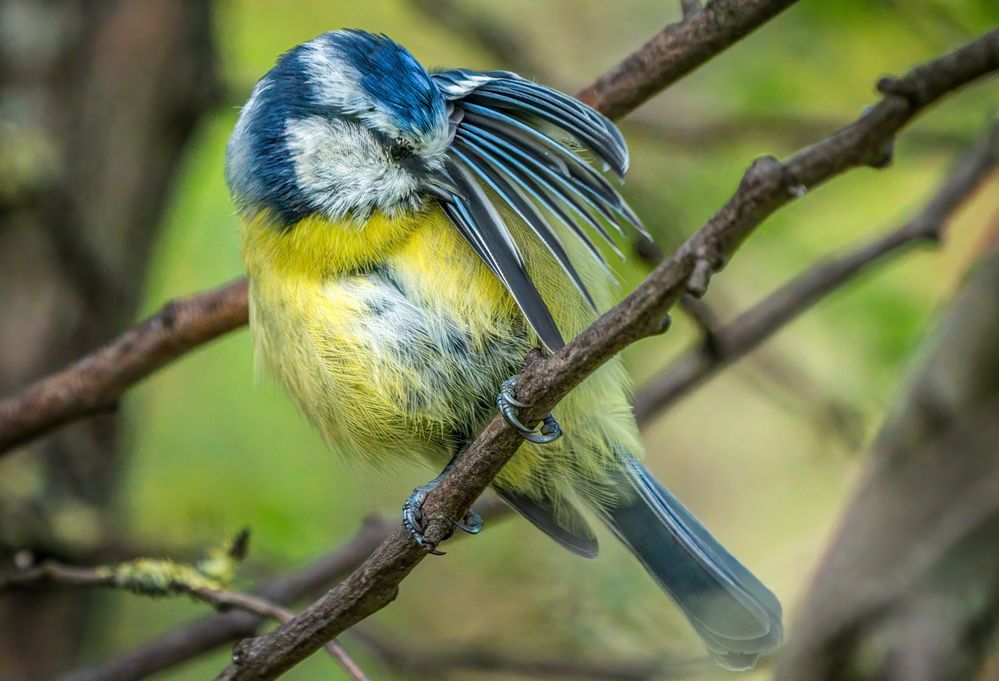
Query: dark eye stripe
point(400, 150)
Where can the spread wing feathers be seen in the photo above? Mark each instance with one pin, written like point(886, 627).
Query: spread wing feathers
point(482, 226)
point(481, 165)
point(500, 143)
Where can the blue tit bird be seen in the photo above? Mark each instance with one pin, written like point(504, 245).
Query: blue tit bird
point(409, 236)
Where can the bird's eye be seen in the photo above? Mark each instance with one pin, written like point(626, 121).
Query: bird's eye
point(400, 150)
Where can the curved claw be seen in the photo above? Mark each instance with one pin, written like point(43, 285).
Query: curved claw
point(506, 402)
point(550, 428)
point(550, 431)
point(412, 519)
point(472, 523)
point(511, 417)
point(508, 395)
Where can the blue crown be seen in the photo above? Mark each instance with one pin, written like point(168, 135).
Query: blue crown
point(347, 74)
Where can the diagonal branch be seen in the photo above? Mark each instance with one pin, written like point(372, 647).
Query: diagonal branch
point(907, 586)
point(96, 382)
point(677, 50)
point(766, 186)
point(757, 324)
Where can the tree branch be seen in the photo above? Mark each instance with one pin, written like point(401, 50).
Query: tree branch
point(760, 322)
point(130, 576)
point(677, 50)
point(94, 383)
point(908, 586)
point(767, 185)
point(206, 634)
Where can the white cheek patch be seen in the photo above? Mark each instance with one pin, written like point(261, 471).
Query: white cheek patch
point(343, 170)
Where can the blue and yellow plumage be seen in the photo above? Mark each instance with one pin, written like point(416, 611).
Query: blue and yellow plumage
point(402, 264)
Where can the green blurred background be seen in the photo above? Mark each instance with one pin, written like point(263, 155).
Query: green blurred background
point(765, 454)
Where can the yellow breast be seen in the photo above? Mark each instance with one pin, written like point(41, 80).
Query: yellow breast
point(357, 323)
point(393, 340)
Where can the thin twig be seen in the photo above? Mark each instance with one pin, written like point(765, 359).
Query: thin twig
point(219, 598)
point(94, 383)
point(766, 186)
point(705, 318)
point(764, 319)
point(207, 634)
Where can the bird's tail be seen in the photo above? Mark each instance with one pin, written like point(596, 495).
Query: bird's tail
point(737, 617)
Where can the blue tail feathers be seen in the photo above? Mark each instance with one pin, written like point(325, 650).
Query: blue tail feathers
point(569, 528)
point(737, 617)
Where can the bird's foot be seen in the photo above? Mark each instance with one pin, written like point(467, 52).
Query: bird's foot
point(412, 519)
point(508, 405)
point(470, 524)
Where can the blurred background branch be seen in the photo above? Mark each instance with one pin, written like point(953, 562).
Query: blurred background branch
point(93, 384)
point(736, 339)
point(204, 635)
point(99, 100)
point(204, 581)
point(908, 587)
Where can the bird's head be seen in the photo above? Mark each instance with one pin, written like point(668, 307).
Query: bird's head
point(343, 126)
point(350, 125)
